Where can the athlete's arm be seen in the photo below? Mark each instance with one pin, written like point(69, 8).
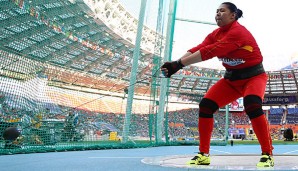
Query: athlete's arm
point(193, 55)
point(232, 41)
point(207, 41)
point(191, 58)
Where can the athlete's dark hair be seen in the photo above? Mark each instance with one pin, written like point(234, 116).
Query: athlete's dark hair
point(232, 7)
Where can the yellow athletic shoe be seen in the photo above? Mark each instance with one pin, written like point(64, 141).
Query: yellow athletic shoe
point(266, 161)
point(199, 159)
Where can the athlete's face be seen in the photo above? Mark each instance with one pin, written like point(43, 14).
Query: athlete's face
point(224, 16)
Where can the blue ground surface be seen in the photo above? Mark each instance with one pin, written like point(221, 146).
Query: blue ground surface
point(119, 159)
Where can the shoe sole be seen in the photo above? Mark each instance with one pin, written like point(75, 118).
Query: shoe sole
point(198, 164)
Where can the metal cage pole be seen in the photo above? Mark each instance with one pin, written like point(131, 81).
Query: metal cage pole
point(133, 73)
point(165, 82)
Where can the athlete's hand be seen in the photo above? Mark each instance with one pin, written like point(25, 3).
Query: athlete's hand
point(170, 68)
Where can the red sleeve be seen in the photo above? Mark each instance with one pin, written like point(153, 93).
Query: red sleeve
point(230, 42)
point(208, 40)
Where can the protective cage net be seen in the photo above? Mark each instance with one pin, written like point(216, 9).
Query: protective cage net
point(64, 82)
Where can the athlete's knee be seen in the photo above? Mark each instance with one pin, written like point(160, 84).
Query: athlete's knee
point(253, 106)
point(207, 108)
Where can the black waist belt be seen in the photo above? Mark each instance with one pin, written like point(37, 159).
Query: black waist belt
point(240, 74)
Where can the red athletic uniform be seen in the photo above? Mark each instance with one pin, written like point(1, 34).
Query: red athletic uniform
point(235, 46)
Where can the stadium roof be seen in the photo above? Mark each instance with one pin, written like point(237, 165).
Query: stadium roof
point(73, 44)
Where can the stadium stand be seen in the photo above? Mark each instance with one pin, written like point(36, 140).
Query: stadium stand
point(62, 57)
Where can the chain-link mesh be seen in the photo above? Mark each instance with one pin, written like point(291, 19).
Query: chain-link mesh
point(63, 83)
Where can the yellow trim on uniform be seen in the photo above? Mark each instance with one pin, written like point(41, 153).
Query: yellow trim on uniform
point(248, 48)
